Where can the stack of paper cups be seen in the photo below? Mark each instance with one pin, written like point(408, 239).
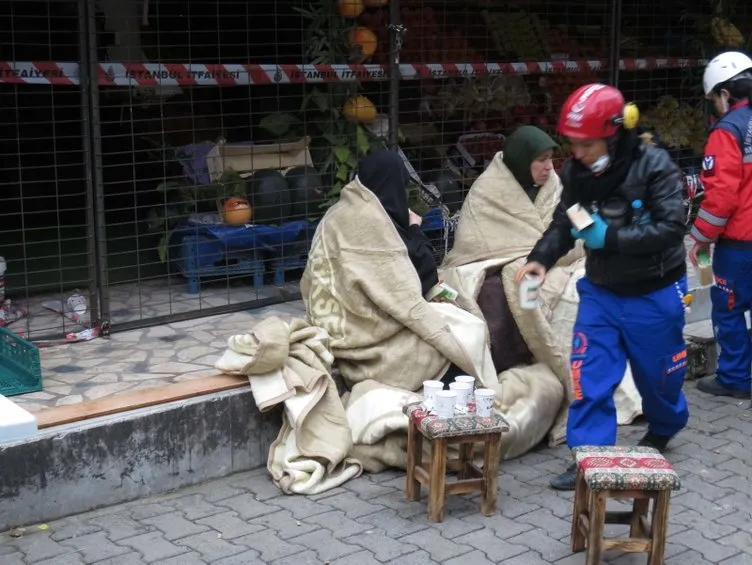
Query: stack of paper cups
point(430, 388)
point(445, 400)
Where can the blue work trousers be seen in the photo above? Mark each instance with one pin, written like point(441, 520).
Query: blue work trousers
point(610, 330)
point(731, 297)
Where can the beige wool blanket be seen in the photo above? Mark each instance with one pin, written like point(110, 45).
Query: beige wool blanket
point(360, 286)
point(288, 364)
point(498, 227)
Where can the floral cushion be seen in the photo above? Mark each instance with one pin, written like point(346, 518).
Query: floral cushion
point(434, 427)
point(625, 468)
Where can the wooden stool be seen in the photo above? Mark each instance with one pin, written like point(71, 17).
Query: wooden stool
point(464, 430)
point(638, 473)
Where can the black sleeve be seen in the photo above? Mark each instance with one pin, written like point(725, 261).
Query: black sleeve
point(557, 240)
point(422, 256)
point(663, 201)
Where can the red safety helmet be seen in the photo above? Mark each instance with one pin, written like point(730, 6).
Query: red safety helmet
point(593, 111)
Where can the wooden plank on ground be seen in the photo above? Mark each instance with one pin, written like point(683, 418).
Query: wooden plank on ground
point(127, 401)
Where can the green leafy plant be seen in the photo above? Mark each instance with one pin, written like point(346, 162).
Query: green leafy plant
point(337, 143)
point(326, 34)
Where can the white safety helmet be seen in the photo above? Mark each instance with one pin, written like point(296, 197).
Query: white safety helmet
point(723, 68)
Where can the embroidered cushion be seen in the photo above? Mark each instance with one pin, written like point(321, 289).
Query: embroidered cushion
point(434, 427)
point(625, 468)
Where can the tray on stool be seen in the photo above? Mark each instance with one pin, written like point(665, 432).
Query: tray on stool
point(638, 473)
point(202, 256)
point(465, 430)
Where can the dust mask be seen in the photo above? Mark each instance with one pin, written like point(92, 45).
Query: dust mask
point(601, 164)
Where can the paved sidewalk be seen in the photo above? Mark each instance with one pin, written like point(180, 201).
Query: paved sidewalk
point(244, 520)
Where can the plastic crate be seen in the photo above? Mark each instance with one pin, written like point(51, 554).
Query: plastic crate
point(207, 257)
point(20, 367)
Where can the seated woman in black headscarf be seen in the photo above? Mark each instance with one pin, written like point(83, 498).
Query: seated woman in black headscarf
point(369, 272)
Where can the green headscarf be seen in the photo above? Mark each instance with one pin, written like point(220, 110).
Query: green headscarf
point(523, 147)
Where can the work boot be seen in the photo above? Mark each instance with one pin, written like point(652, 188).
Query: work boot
point(710, 385)
point(566, 480)
point(655, 441)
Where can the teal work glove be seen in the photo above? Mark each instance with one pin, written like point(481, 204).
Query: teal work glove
point(594, 235)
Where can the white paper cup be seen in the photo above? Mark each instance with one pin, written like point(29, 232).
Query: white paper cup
point(469, 380)
point(430, 388)
point(529, 288)
point(445, 400)
point(463, 390)
point(484, 401)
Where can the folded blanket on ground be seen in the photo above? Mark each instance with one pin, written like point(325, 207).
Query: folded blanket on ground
point(289, 363)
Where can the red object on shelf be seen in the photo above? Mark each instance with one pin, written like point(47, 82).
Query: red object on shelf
point(232, 74)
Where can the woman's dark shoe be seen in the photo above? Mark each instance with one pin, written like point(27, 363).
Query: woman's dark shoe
point(710, 385)
point(567, 480)
point(655, 441)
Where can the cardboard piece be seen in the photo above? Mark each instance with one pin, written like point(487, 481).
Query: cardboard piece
point(245, 158)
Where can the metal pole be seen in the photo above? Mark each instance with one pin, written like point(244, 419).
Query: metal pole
point(96, 238)
point(615, 43)
point(396, 35)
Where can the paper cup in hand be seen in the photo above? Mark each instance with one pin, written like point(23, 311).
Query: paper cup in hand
point(445, 400)
point(529, 288)
point(484, 401)
point(430, 388)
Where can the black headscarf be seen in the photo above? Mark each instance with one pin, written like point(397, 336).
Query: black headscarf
point(384, 173)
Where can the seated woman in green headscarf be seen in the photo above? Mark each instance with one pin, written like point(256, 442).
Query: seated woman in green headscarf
point(507, 209)
point(519, 174)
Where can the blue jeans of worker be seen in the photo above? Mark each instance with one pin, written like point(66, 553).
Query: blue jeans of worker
point(731, 297)
point(610, 330)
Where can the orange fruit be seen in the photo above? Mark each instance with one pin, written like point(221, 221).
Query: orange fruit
point(237, 211)
point(360, 109)
point(365, 40)
point(350, 8)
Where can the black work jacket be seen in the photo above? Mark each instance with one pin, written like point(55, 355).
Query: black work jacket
point(639, 257)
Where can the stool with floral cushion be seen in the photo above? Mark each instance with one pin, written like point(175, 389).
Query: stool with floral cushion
point(638, 473)
point(465, 430)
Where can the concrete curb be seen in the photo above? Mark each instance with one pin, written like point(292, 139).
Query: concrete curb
point(80, 467)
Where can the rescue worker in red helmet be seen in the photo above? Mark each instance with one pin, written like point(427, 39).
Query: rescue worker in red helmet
point(632, 295)
point(725, 218)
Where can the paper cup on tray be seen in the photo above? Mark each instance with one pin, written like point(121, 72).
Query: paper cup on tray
point(484, 401)
point(445, 400)
point(430, 388)
point(463, 391)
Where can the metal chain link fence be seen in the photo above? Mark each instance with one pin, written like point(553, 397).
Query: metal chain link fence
point(170, 159)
